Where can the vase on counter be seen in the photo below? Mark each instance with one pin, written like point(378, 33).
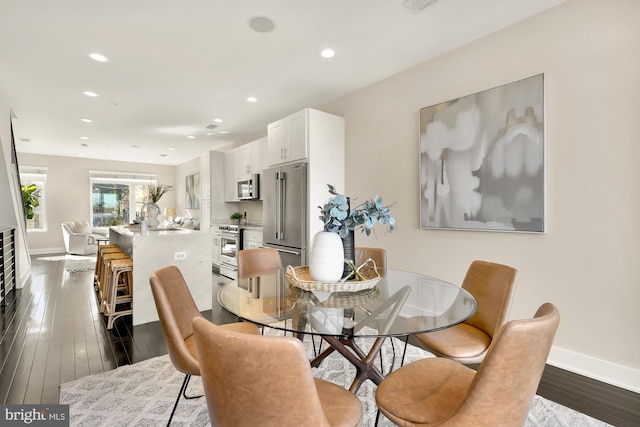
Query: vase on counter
point(326, 262)
point(153, 215)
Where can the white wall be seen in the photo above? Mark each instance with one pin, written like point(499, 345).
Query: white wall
point(68, 192)
point(588, 263)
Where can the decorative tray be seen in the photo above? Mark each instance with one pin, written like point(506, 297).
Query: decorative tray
point(301, 278)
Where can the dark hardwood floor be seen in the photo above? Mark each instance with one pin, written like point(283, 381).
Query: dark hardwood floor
point(51, 332)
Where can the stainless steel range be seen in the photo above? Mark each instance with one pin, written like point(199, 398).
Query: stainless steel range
point(229, 235)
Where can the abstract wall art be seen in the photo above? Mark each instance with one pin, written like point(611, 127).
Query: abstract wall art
point(482, 160)
point(193, 191)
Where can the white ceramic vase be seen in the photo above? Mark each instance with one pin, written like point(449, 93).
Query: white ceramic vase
point(326, 261)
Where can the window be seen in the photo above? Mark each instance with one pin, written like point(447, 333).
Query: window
point(32, 175)
point(117, 197)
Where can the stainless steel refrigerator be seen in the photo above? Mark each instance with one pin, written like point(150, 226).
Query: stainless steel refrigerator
point(284, 211)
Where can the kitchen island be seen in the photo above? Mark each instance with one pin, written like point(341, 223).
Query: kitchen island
point(189, 250)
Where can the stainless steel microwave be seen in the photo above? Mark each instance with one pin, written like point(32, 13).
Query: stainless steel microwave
point(249, 189)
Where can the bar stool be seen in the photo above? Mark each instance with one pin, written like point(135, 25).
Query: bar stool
point(105, 277)
point(120, 290)
point(104, 249)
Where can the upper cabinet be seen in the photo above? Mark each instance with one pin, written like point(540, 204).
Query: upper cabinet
point(230, 176)
point(250, 158)
point(205, 173)
point(287, 139)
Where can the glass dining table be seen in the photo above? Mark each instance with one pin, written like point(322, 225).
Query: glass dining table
point(399, 305)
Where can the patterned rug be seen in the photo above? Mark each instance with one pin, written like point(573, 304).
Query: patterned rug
point(74, 263)
point(143, 394)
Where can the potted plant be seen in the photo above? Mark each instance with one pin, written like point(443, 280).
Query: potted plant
point(30, 200)
point(155, 192)
point(236, 216)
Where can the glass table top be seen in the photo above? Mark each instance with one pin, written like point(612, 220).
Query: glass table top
point(401, 303)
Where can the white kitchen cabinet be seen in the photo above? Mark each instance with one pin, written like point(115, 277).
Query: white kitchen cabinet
point(217, 242)
point(287, 139)
point(212, 206)
point(205, 176)
point(250, 159)
point(230, 176)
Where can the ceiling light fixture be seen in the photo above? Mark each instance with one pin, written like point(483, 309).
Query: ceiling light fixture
point(191, 137)
point(224, 131)
point(86, 120)
point(218, 120)
point(98, 57)
point(84, 137)
point(418, 6)
point(89, 93)
point(170, 148)
point(252, 99)
point(84, 145)
point(327, 53)
point(261, 24)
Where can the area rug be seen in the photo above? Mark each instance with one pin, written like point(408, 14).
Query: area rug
point(74, 263)
point(143, 394)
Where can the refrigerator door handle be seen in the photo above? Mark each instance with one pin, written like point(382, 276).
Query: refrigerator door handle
point(278, 209)
point(283, 203)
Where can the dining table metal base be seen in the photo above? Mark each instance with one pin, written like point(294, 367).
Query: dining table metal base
point(363, 362)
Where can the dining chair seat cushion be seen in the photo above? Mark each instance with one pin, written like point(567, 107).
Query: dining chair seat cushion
point(427, 391)
point(340, 408)
point(461, 340)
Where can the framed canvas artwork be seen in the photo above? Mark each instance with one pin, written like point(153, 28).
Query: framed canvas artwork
point(193, 191)
point(482, 160)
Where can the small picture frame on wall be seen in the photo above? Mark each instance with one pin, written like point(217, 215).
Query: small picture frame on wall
point(482, 160)
point(193, 191)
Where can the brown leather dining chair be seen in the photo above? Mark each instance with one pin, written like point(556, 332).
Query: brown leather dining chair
point(252, 261)
point(176, 310)
point(378, 255)
point(438, 391)
point(493, 286)
point(267, 381)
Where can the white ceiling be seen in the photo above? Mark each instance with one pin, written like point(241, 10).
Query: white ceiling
point(176, 65)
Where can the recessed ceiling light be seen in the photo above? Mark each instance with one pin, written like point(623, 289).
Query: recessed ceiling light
point(191, 137)
point(170, 148)
point(89, 93)
point(84, 145)
point(98, 57)
point(261, 24)
point(163, 155)
point(218, 120)
point(84, 137)
point(252, 99)
point(327, 53)
point(86, 120)
point(209, 133)
point(224, 131)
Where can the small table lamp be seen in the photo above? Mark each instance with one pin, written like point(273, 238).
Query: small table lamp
point(170, 213)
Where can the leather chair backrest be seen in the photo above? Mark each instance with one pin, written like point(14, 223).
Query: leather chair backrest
point(506, 382)
point(176, 310)
point(492, 285)
point(379, 256)
point(254, 380)
point(252, 261)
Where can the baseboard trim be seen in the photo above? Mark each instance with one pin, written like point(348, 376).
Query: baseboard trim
point(47, 251)
point(597, 369)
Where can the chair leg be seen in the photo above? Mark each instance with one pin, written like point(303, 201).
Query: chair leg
point(182, 389)
point(406, 341)
point(377, 418)
point(183, 392)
